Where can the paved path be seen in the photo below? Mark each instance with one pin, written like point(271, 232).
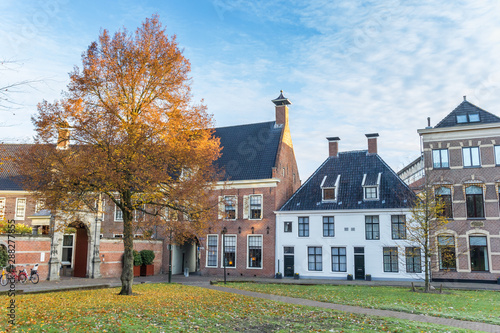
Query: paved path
point(206, 282)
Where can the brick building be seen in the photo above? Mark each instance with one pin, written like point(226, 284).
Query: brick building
point(260, 175)
point(462, 164)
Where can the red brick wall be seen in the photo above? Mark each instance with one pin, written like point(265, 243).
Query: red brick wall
point(112, 249)
point(28, 252)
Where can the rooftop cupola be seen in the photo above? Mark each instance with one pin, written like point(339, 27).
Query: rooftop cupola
point(281, 109)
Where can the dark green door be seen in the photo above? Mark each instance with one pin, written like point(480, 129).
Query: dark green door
point(359, 266)
point(289, 265)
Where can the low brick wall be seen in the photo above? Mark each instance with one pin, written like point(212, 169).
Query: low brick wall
point(112, 249)
point(30, 250)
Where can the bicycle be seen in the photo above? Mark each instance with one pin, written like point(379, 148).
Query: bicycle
point(21, 277)
point(34, 278)
point(4, 280)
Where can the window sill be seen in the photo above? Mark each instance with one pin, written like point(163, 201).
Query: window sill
point(476, 218)
point(472, 167)
point(441, 168)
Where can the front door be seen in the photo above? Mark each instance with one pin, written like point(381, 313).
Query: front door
point(359, 266)
point(81, 252)
point(289, 265)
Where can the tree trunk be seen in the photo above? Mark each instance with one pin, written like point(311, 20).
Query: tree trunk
point(127, 276)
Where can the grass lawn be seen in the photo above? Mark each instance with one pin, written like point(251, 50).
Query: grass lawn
point(477, 305)
point(177, 308)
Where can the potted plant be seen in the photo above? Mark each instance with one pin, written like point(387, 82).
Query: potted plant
point(147, 267)
point(278, 275)
point(349, 276)
point(368, 277)
point(296, 276)
point(137, 263)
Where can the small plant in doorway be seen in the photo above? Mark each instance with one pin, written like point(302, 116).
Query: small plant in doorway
point(296, 276)
point(137, 263)
point(349, 276)
point(278, 275)
point(147, 267)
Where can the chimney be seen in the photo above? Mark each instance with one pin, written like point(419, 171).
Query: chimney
point(333, 146)
point(63, 135)
point(281, 109)
point(372, 143)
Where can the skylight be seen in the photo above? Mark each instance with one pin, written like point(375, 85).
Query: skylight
point(468, 118)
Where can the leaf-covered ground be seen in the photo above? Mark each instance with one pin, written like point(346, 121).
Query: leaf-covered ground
point(177, 308)
point(474, 305)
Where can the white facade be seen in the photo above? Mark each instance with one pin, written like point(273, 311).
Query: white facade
point(350, 233)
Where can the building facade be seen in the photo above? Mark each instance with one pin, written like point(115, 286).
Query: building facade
point(260, 175)
point(462, 166)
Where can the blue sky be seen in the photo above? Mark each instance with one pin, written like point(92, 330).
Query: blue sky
point(350, 67)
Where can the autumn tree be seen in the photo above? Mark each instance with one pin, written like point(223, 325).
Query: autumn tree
point(136, 137)
point(428, 215)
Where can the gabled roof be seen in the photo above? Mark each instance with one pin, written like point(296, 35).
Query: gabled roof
point(248, 151)
point(10, 178)
point(352, 166)
point(465, 108)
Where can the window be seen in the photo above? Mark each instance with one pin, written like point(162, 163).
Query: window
point(468, 118)
point(20, 209)
point(328, 226)
point(372, 227)
point(478, 253)
point(398, 226)
point(255, 251)
point(440, 159)
point(371, 192)
point(339, 259)
point(475, 202)
point(443, 195)
point(212, 251)
point(471, 157)
point(315, 258)
point(288, 250)
point(117, 235)
point(391, 259)
point(255, 207)
point(67, 248)
point(39, 205)
point(2, 207)
point(230, 209)
point(497, 155)
point(288, 226)
point(329, 194)
point(118, 214)
point(303, 226)
point(446, 252)
point(229, 251)
point(413, 260)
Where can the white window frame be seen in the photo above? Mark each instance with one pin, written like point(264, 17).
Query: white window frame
point(335, 188)
point(250, 206)
point(20, 217)
point(377, 186)
point(117, 235)
point(222, 248)
point(497, 154)
point(234, 204)
point(261, 251)
point(469, 150)
point(216, 252)
point(118, 210)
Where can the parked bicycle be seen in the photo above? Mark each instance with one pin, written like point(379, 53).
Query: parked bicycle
point(12, 274)
point(4, 279)
point(33, 277)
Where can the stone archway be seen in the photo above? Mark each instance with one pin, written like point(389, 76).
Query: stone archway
point(81, 249)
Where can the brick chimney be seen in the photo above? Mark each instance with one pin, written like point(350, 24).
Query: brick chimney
point(333, 146)
point(63, 135)
point(281, 109)
point(372, 143)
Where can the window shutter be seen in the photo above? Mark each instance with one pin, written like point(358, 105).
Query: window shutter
point(246, 206)
point(220, 214)
point(235, 203)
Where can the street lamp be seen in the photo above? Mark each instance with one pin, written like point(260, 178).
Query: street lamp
point(223, 232)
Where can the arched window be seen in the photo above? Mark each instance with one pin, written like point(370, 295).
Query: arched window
point(443, 194)
point(475, 201)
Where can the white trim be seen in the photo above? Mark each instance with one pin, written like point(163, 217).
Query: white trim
point(250, 206)
point(222, 248)
point(261, 251)
point(19, 217)
point(236, 184)
point(216, 253)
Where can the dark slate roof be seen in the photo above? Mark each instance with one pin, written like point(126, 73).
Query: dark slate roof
point(10, 179)
point(248, 151)
point(352, 166)
point(467, 108)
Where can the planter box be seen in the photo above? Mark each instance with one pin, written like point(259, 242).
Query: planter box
point(278, 276)
point(137, 271)
point(368, 277)
point(147, 270)
point(349, 277)
point(296, 276)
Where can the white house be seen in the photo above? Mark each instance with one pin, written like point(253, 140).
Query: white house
point(348, 218)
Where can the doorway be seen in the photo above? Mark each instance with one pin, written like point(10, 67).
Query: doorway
point(81, 250)
point(359, 263)
point(289, 261)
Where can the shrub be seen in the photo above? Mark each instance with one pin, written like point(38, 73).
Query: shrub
point(20, 228)
point(3, 256)
point(148, 257)
point(137, 258)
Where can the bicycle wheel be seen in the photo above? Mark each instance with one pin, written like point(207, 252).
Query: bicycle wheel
point(22, 278)
point(3, 280)
point(34, 278)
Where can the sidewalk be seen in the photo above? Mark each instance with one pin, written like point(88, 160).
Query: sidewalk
point(207, 282)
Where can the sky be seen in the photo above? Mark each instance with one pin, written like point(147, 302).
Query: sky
point(349, 67)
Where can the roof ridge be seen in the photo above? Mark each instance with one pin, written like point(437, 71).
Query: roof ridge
point(261, 123)
point(458, 106)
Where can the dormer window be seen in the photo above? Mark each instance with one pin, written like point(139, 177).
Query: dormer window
point(371, 186)
point(329, 188)
point(468, 118)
